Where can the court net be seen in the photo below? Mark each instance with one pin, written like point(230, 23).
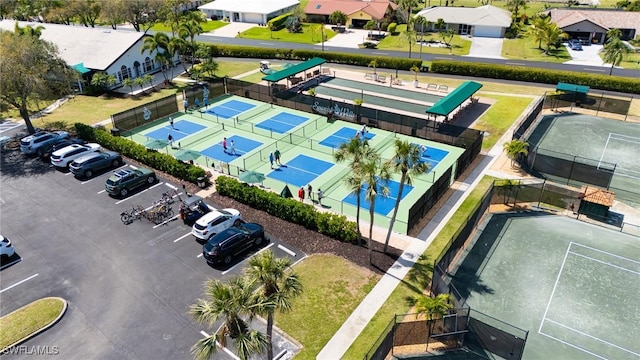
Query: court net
point(200, 136)
point(253, 112)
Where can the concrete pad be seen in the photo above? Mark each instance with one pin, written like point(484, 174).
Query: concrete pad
point(484, 47)
point(587, 56)
point(350, 39)
point(232, 29)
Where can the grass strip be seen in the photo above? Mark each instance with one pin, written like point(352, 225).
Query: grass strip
point(500, 117)
point(418, 277)
point(28, 320)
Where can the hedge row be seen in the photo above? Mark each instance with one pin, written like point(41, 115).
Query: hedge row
point(128, 148)
point(302, 54)
point(330, 224)
point(278, 22)
point(539, 75)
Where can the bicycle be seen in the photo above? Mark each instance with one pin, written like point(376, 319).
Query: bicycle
point(135, 213)
point(167, 197)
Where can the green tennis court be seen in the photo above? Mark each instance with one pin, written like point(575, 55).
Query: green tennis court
point(573, 285)
point(299, 136)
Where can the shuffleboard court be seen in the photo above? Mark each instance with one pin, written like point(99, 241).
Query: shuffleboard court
point(242, 146)
point(181, 129)
point(300, 170)
point(282, 122)
point(344, 135)
point(230, 109)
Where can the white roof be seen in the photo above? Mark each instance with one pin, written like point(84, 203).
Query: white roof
point(97, 48)
point(482, 16)
point(249, 6)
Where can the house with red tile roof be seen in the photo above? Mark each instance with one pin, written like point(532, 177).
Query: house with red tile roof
point(358, 12)
point(593, 24)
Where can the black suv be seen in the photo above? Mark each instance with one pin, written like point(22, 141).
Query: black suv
point(224, 246)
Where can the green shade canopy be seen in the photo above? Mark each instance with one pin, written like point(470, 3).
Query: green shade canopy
point(287, 65)
point(251, 177)
point(582, 89)
point(286, 193)
point(187, 155)
point(80, 68)
point(295, 69)
point(156, 144)
point(448, 103)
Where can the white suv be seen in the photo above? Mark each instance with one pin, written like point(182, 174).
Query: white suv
point(30, 144)
point(214, 222)
point(63, 157)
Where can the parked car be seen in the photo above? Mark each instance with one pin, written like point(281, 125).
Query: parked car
point(46, 151)
point(6, 250)
point(123, 181)
point(87, 165)
point(574, 44)
point(193, 208)
point(34, 144)
point(229, 243)
point(63, 157)
point(214, 222)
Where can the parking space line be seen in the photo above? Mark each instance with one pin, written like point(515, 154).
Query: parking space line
point(141, 192)
point(18, 283)
point(171, 186)
point(236, 265)
point(68, 173)
point(295, 263)
point(199, 255)
point(165, 222)
point(227, 351)
point(286, 250)
point(88, 181)
point(101, 191)
point(204, 333)
point(11, 263)
point(181, 237)
point(133, 167)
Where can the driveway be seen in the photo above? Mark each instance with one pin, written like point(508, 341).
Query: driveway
point(350, 39)
point(232, 29)
point(587, 56)
point(484, 47)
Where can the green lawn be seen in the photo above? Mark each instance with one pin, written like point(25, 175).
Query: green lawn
point(526, 48)
point(398, 41)
point(418, 278)
point(210, 25)
point(311, 34)
point(533, 7)
point(28, 319)
point(630, 61)
point(500, 116)
point(332, 288)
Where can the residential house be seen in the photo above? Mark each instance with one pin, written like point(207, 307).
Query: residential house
point(483, 21)
point(249, 11)
point(89, 50)
point(358, 12)
point(593, 24)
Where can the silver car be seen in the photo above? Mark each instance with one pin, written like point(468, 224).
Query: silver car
point(89, 164)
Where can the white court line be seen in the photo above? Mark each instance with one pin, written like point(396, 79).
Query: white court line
point(555, 285)
point(141, 192)
point(236, 265)
point(286, 250)
point(625, 136)
point(605, 263)
point(604, 150)
point(606, 253)
point(181, 237)
point(573, 346)
point(18, 283)
point(593, 337)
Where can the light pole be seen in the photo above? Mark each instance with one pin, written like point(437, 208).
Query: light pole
point(322, 34)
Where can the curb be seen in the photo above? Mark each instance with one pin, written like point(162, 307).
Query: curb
point(46, 327)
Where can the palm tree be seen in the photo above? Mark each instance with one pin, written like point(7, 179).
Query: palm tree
point(159, 41)
point(552, 35)
point(438, 306)
point(614, 49)
point(515, 6)
point(130, 83)
point(410, 34)
point(178, 45)
point(407, 160)
point(278, 284)
point(538, 28)
point(514, 148)
point(355, 151)
point(233, 302)
point(375, 176)
point(189, 30)
point(338, 17)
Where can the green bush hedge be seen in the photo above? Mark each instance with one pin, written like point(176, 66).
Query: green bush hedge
point(128, 148)
point(392, 28)
point(278, 22)
point(539, 75)
point(330, 224)
point(387, 62)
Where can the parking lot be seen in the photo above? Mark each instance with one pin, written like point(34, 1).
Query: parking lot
point(128, 286)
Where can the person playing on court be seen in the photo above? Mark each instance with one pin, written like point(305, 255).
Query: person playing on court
point(271, 159)
point(301, 194)
point(224, 145)
point(197, 102)
point(185, 104)
point(170, 139)
point(310, 192)
point(363, 131)
point(171, 122)
point(320, 194)
point(276, 155)
point(232, 148)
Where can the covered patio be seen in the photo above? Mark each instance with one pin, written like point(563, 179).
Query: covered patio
point(455, 101)
point(288, 74)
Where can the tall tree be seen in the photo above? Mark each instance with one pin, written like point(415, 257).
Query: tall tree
point(410, 34)
point(170, 14)
point(353, 153)
point(142, 14)
point(614, 49)
point(338, 17)
point(515, 6)
point(433, 307)
point(538, 28)
point(188, 31)
point(375, 175)
point(515, 148)
point(31, 70)
point(113, 12)
point(87, 11)
point(552, 35)
point(158, 42)
point(236, 304)
point(407, 160)
point(278, 285)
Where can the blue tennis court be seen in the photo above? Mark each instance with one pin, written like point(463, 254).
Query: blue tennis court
point(282, 122)
point(181, 129)
point(242, 146)
point(300, 171)
point(383, 204)
point(343, 135)
point(230, 109)
point(432, 156)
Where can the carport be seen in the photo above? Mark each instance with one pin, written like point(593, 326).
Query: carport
point(289, 73)
point(454, 100)
point(572, 92)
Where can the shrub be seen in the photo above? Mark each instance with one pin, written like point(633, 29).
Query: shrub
point(128, 148)
point(332, 225)
point(391, 29)
point(278, 22)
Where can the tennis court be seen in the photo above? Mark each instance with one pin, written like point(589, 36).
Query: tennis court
point(558, 278)
point(300, 171)
point(230, 108)
point(282, 122)
point(241, 146)
point(344, 135)
point(181, 129)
